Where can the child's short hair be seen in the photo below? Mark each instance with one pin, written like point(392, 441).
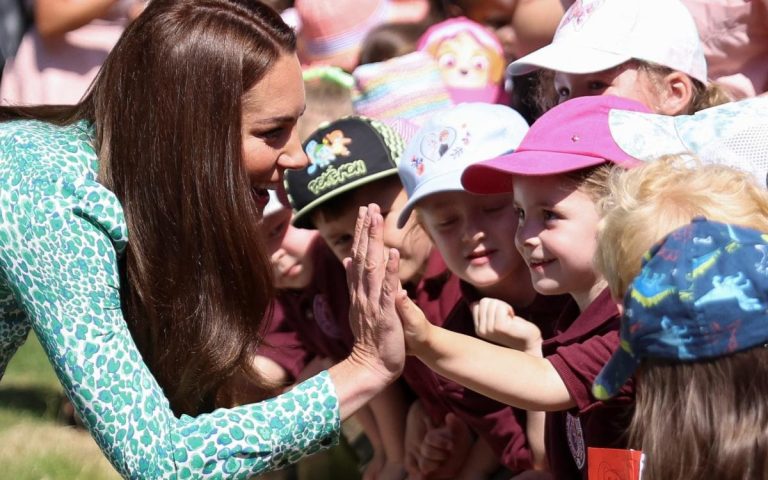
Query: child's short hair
point(328, 95)
point(650, 201)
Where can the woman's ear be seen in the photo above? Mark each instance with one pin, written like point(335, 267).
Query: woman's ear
point(676, 93)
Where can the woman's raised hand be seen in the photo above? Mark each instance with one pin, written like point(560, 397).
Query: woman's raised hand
point(372, 274)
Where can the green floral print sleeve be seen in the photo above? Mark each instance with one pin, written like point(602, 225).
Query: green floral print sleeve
point(61, 234)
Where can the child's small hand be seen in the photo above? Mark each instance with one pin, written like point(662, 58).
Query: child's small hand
point(416, 426)
point(416, 327)
point(445, 449)
point(496, 321)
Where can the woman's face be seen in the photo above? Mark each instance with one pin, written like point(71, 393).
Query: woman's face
point(271, 142)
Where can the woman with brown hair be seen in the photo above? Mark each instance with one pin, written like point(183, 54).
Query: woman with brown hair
point(130, 243)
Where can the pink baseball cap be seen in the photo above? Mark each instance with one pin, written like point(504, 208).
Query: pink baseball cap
point(573, 135)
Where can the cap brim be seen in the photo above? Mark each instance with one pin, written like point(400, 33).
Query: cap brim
point(567, 57)
point(445, 182)
point(614, 374)
point(495, 176)
point(302, 218)
point(645, 136)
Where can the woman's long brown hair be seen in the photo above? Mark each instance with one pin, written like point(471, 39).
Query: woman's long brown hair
point(166, 107)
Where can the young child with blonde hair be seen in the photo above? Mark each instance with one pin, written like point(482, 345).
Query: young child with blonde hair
point(695, 328)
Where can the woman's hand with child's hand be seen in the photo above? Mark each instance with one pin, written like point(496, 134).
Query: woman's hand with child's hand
point(416, 327)
point(495, 321)
point(372, 274)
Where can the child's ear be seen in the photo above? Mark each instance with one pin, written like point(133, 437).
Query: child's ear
point(676, 94)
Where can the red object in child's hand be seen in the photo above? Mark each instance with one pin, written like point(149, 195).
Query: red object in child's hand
point(614, 464)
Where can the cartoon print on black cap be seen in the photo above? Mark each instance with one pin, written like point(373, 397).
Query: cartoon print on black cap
point(323, 154)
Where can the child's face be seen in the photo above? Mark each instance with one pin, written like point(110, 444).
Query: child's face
point(557, 235)
point(626, 80)
point(496, 15)
point(412, 243)
point(474, 235)
point(289, 248)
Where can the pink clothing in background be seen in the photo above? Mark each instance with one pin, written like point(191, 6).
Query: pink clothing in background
point(59, 71)
point(734, 34)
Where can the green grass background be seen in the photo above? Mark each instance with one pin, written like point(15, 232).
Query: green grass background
point(36, 445)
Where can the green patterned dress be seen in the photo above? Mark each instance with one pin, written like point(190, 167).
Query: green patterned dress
point(61, 234)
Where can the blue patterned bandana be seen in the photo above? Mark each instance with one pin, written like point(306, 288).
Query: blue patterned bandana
point(702, 293)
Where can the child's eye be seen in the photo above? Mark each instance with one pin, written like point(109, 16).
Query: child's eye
point(278, 231)
point(549, 215)
point(494, 208)
point(520, 214)
point(446, 222)
point(597, 85)
point(342, 240)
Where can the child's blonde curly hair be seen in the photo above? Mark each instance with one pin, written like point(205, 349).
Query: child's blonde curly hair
point(650, 201)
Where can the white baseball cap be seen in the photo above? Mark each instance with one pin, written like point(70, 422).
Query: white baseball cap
point(595, 35)
point(449, 141)
point(733, 134)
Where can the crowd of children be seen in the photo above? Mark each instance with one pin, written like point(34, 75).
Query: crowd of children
point(523, 215)
point(581, 217)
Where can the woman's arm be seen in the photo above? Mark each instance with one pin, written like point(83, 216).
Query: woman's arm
point(60, 237)
point(54, 18)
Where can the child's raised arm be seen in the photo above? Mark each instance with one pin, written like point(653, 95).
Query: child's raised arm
point(507, 375)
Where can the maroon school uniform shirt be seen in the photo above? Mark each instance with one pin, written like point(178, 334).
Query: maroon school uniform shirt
point(313, 321)
point(578, 351)
point(446, 301)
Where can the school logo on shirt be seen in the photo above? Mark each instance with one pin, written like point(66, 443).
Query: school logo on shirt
point(324, 317)
point(575, 439)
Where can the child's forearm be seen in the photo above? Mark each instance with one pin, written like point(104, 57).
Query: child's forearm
point(506, 375)
point(389, 410)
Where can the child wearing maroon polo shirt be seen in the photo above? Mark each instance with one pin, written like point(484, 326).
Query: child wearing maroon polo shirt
point(309, 323)
point(472, 234)
point(332, 208)
point(352, 163)
point(557, 175)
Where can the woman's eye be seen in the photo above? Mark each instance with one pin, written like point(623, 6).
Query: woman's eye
point(563, 92)
point(274, 133)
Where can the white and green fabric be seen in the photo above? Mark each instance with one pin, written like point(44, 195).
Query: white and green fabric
point(61, 235)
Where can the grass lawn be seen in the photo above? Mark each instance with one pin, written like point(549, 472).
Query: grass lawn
point(34, 445)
